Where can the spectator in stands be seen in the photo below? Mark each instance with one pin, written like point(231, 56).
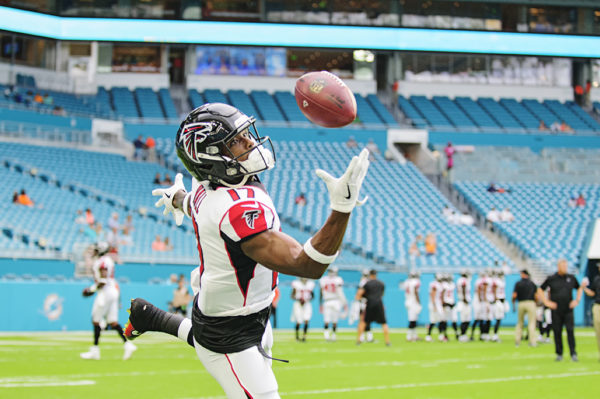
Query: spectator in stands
point(24, 199)
point(113, 222)
point(139, 148)
point(158, 244)
point(447, 213)
point(150, 149)
point(572, 203)
point(430, 244)
point(18, 97)
point(38, 98)
point(89, 217)
point(493, 215)
point(128, 225)
point(167, 244)
point(493, 188)
point(125, 238)
point(58, 110)
point(300, 199)
point(112, 237)
point(555, 127)
point(565, 128)
point(507, 216)
point(48, 100)
point(580, 201)
point(157, 180)
point(373, 149)
point(80, 218)
point(8, 92)
point(542, 126)
point(167, 181)
point(351, 143)
point(449, 150)
point(15, 197)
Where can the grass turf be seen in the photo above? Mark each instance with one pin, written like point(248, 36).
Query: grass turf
point(47, 365)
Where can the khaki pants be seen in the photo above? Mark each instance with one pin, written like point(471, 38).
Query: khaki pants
point(596, 316)
point(526, 308)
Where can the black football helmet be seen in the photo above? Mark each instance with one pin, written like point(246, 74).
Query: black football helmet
point(201, 145)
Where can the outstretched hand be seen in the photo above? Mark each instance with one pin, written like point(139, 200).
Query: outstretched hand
point(344, 191)
point(167, 196)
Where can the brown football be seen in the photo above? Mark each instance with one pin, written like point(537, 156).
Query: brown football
point(325, 100)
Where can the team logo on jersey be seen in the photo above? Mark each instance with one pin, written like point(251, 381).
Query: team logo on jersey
point(192, 135)
point(250, 217)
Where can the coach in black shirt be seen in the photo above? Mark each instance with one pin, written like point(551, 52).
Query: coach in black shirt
point(372, 291)
point(594, 291)
point(561, 302)
point(524, 292)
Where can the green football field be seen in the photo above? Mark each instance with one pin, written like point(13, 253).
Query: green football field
point(47, 365)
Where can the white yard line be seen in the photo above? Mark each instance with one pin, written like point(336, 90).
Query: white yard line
point(423, 384)
point(32, 382)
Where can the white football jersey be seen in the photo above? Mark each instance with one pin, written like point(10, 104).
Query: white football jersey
point(230, 283)
point(331, 287)
point(437, 286)
point(500, 286)
point(465, 283)
point(105, 262)
point(448, 292)
point(483, 289)
point(411, 290)
point(303, 291)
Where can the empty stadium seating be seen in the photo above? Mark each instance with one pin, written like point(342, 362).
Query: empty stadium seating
point(545, 227)
point(464, 114)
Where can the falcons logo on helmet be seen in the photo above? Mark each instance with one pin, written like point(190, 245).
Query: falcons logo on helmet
point(194, 134)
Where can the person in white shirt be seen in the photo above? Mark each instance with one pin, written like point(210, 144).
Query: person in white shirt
point(463, 288)
point(412, 302)
point(448, 305)
point(332, 301)
point(302, 294)
point(493, 216)
point(435, 306)
point(499, 304)
point(481, 305)
point(106, 303)
point(507, 216)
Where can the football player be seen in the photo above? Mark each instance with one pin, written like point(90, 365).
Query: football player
point(435, 306)
point(480, 305)
point(331, 301)
point(448, 305)
point(302, 294)
point(463, 288)
point(413, 303)
point(240, 246)
point(362, 305)
point(500, 305)
point(106, 302)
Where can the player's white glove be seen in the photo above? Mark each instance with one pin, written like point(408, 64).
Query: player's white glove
point(343, 191)
point(167, 196)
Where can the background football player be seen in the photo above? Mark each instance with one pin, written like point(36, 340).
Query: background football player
point(481, 306)
point(500, 305)
point(412, 302)
point(240, 247)
point(448, 305)
point(106, 302)
point(435, 306)
point(331, 300)
point(302, 294)
point(463, 289)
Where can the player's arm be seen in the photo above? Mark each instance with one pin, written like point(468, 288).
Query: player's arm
point(463, 288)
point(359, 294)
point(280, 252)
point(432, 294)
point(293, 294)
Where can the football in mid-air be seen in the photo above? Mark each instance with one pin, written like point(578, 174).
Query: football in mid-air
point(325, 100)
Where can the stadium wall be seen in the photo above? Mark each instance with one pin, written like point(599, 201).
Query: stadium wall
point(55, 306)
